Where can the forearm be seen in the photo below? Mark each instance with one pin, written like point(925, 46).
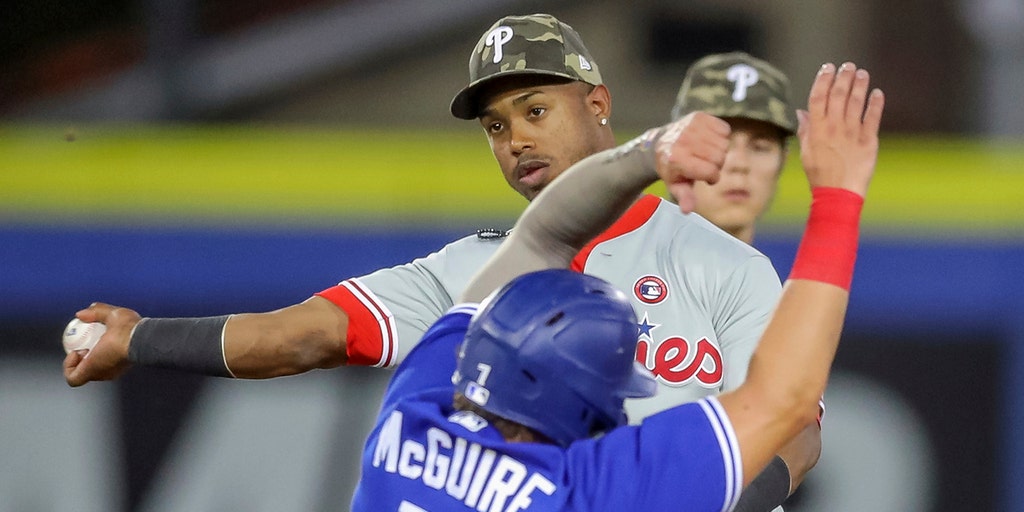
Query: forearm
point(255, 345)
point(576, 207)
point(790, 367)
point(285, 342)
point(784, 473)
point(787, 373)
point(805, 328)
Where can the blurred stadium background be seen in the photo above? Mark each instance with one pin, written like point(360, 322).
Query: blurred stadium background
point(201, 157)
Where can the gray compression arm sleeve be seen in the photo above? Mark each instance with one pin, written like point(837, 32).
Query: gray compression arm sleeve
point(571, 211)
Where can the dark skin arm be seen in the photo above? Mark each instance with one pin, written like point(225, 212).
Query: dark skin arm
point(296, 339)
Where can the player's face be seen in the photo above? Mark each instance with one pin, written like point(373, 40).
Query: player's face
point(748, 179)
point(537, 130)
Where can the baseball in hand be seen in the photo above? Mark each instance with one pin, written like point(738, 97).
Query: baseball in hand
point(79, 335)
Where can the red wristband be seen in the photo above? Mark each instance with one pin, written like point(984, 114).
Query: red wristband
point(828, 249)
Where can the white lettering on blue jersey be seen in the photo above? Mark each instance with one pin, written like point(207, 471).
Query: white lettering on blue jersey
point(458, 485)
point(388, 443)
point(466, 471)
point(436, 464)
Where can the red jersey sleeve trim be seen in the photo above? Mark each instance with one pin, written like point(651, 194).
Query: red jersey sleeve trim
point(371, 336)
point(634, 217)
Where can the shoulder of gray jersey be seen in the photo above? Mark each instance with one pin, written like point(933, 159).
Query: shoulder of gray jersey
point(419, 292)
point(709, 237)
point(466, 254)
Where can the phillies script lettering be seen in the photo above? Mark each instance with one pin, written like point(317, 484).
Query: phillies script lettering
point(673, 364)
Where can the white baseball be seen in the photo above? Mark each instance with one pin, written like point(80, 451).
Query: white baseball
point(79, 335)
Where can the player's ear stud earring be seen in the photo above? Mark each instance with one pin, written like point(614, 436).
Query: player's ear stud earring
point(604, 121)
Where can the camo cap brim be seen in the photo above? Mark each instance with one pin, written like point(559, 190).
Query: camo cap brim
point(537, 44)
point(737, 85)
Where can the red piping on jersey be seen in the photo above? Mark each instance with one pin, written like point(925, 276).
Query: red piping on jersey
point(364, 341)
point(635, 216)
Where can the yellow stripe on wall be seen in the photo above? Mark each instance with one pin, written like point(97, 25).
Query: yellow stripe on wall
point(298, 175)
point(239, 173)
point(932, 184)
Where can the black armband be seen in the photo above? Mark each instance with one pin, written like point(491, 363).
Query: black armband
point(768, 490)
point(190, 344)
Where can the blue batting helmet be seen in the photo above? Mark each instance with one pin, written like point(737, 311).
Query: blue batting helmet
point(555, 351)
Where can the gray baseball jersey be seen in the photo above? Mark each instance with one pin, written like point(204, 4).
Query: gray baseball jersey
point(702, 299)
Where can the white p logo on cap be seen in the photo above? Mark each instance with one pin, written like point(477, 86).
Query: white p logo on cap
point(742, 76)
point(497, 38)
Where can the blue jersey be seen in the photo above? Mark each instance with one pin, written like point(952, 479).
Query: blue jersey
point(424, 456)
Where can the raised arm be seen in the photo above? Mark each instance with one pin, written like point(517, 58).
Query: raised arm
point(790, 367)
point(595, 191)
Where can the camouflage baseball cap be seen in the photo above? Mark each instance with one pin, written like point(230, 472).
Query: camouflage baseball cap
point(537, 44)
point(737, 85)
